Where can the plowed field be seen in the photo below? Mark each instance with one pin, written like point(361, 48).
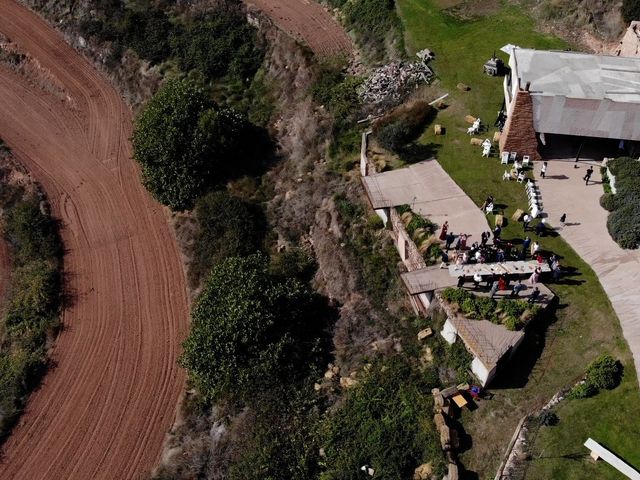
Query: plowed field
point(103, 410)
point(308, 22)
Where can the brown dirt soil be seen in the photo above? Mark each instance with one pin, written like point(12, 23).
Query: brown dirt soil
point(103, 411)
point(309, 23)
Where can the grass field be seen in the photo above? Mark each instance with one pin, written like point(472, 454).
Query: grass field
point(584, 325)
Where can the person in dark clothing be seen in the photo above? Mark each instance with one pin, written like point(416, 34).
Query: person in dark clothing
point(517, 288)
point(556, 274)
point(460, 281)
point(496, 232)
point(587, 176)
point(445, 259)
point(563, 218)
point(483, 239)
point(534, 295)
point(450, 238)
point(541, 229)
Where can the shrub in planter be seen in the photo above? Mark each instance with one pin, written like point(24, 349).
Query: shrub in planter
point(604, 372)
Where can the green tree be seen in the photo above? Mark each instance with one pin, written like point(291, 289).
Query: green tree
point(249, 329)
point(184, 143)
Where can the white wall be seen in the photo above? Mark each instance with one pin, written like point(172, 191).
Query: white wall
point(449, 332)
point(481, 371)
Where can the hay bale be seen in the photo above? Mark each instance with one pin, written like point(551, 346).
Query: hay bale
point(469, 118)
point(437, 129)
point(499, 220)
point(463, 87)
point(496, 137)
point(517, 215)
point(476, 141)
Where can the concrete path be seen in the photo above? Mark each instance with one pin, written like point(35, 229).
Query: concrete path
point(564, 191)
point(431, 192)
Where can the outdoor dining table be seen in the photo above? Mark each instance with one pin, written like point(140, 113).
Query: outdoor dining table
point(521, 267)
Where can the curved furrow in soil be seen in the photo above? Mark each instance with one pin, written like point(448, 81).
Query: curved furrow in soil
point(104, 409)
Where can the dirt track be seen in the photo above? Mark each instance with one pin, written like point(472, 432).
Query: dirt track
point(309, 23)
point(104, 410)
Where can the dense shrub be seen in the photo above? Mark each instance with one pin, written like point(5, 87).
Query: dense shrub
point(227, 226)
point(250, 330)
point(630, 10)
point(31, 233)
point(624, 225)
point(403, 125)
point(218, 44)
point(336, 90)
point(147, 33)
point(376, 254)
point(624, 220)
point(32, 307)
point(608, 201)
point(185, 143)
point(548, 418)
point(282, 443)
point(604, 372)
point(386, 423)
point(582, 390)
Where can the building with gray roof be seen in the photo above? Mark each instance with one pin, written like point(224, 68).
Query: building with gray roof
point(576, 94)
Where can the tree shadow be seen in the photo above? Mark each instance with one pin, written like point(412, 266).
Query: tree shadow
point(417, 152)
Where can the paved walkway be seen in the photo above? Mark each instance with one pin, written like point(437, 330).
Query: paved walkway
point(431, 192)
point(564, 191)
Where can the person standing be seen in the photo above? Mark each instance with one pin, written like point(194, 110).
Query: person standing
point(563, 218)
point(443, 232)
point(494, 289)
point(525, 247)
point(543, 169)
point(445, 260)
point(587, 176)
point(534, 295)
point(450, 238)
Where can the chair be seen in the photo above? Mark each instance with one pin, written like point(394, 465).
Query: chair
point(513, 156)
point(486, 151)
point(506, 175)
point(526, 160)
point(521, 177)
point(504, 160)
point(472, 130)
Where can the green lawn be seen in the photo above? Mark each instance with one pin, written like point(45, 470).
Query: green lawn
point(584, 325)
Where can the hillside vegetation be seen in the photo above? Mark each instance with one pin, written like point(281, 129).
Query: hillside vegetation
point(30, 315)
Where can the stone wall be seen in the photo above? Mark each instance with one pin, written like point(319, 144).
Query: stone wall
point(518, 134)
point(407, 249)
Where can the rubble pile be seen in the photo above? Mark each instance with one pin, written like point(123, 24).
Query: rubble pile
point(392, 81)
